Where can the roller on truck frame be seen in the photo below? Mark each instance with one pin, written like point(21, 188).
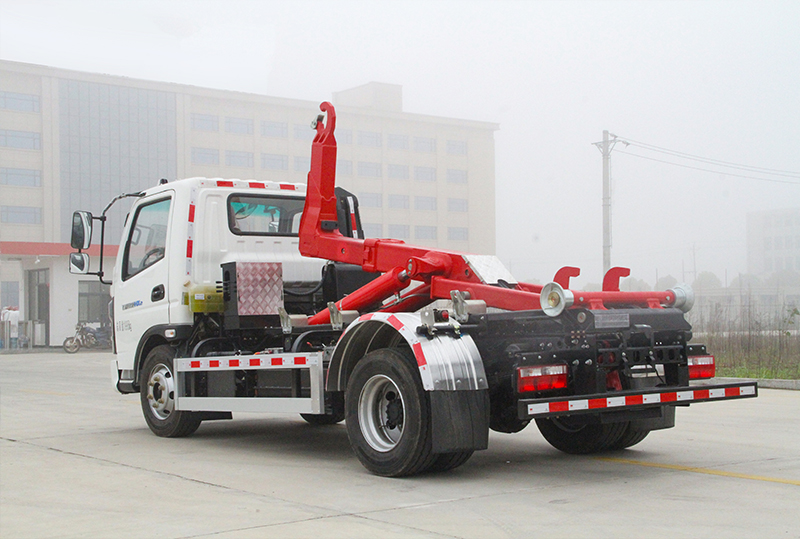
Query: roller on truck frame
point(421, 351)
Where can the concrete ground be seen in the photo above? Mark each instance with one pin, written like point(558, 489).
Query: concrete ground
point(76, 460)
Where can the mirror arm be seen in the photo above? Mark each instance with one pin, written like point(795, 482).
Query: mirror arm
point(102, 220)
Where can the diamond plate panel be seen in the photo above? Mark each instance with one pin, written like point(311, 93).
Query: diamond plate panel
point(259, 287)
point(489, 269)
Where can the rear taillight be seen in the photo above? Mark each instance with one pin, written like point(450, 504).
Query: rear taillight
point(701, 367)
point(541, 378)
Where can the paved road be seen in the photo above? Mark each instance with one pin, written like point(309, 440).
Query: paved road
point(76, 460)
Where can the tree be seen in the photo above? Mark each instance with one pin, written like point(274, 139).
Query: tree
point(631, 284)
point(706, 281)
point(666, 282)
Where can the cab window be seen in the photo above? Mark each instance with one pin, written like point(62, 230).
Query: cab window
point(147, 242)
point(264, 215)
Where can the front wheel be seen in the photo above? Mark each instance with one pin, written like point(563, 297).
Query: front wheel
point(71, 345)
point(157, 395)
point(388, 415)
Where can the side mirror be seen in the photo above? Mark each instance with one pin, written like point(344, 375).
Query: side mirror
point(81, 231)
point(79, 263)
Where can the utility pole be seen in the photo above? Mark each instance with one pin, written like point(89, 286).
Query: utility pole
point(605, 148)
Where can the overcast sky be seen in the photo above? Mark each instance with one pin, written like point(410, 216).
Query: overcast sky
point(718, 80)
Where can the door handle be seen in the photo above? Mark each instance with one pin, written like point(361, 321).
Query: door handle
point(157, 294)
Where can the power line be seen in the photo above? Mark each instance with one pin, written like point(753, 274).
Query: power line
point(683, 155)
point(709, 170)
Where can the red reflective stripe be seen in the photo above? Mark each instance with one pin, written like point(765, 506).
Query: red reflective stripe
point(233, 363)
point(195, 364)
point(633, 400)
point(701, 394)
point(224, 183)
point(669, 397)
point(191, 213)
point(277, 361)
point(189, 248)
point(287, 186)
point(562, 406)
point(732, 391)
point(419, 355)
point(396, 323)
point(255, 362)
point(257, 185)
point(597, 403)
point(213, 363)
point(353, 224)
point(299, 361)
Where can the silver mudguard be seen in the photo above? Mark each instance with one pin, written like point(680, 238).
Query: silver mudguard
point(446, 362)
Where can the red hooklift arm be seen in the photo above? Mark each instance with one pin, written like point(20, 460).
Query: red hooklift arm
point(440, 271)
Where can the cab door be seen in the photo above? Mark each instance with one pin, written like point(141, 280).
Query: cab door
point(141, 288)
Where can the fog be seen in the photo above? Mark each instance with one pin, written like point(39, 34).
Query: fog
point(716, 80)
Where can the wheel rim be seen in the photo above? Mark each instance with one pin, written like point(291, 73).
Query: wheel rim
point(71, 345)
point(161, 392)
point(381, 412)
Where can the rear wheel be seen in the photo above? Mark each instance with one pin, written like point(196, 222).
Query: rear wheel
point(157, 395)
point(580, 439)
point(449, 461)
point(71, 345)
point(629, 438)
point(388, 415)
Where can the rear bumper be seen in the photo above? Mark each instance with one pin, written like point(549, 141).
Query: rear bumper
point(634, 400)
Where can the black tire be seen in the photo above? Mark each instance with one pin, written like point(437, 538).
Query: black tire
point(449, 461)
point(156, 380)
point(388, 415)
point(336, 415)
point(507, 421)
point(580, 439)
point(71, 345)
point(629, 438)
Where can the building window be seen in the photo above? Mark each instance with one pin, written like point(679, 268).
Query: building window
point(457, 204)
point(425, 232)
point(370, 138)
point(398, 142)
point(9, 293)
point(424, 144)
point(344, 166)
point(369, 170)
point(370, 200)
point(239, 126)
point(20, 177)
point(20, 215)
point(302, 164)
point(425, 174)
point(399, 232)
point(20, 102)
point(398, 172)
point(205, 122)
point(273, 161)
point(372, 230)
point(24, 140)
point(455, 175)
point(457, 147)
point(93, 299)
point(303, 132)
point(457, 233)
point(238, 159)
point(344, 136)
point(425, 203)
point(205, 156)
point(398, 202)
point(274, 129)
